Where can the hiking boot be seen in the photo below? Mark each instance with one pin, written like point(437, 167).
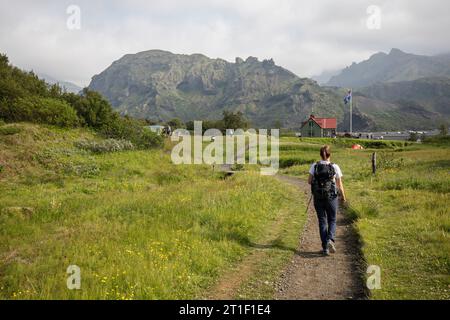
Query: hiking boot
point(331, 246)
point(326, 252)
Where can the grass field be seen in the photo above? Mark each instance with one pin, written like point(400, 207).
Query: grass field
point(137, 226)
point(402, 214)
point(140, 227)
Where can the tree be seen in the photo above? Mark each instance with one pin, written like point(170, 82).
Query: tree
point(176, 124)
point(4, 61)
point(25, 97)
point(277, 124)
point(413, 136)
point(190, 125)
point(234, 121)
point(91, 107)
point(55, 91)
point(213, 124)
point(443, 129)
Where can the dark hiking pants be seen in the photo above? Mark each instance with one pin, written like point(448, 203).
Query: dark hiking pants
point(326, 213)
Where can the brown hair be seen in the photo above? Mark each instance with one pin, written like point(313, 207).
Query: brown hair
point(325, 152)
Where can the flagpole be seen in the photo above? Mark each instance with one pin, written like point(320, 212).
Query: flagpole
point(351, 115)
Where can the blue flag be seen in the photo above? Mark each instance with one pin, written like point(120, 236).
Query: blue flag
point(348, 97)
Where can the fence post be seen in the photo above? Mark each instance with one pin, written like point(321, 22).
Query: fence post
point(374, 163)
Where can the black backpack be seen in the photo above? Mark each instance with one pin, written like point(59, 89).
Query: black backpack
point(323, 186)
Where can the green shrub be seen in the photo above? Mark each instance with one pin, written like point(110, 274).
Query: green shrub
point(24, 97)
point(41, 110)
point(389, 161)
point(164, 177)
point(434, 185)
point(368, 144)
point(134, 131)
point(300, 148)
point(95, 112)
point(56, 112)
point(6, 131)
point(237, 167)
point(92, 109)
point(290, 161)
point(86, 170)
point(109, 145)
point(147, 139)
point(438, 140)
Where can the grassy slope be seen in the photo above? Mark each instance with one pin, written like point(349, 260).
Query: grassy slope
point(402, 213)
point(137, 226)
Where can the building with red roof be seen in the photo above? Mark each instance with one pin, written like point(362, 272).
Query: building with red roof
point(319, 127)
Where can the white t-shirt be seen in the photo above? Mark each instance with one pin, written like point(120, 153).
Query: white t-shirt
point(335, 166)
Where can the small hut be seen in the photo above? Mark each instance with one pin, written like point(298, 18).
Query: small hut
point(319, 127)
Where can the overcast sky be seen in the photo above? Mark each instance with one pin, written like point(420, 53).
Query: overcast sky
point(306, 37)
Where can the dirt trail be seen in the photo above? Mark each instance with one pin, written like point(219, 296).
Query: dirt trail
point(313, 276)
point(310, 275)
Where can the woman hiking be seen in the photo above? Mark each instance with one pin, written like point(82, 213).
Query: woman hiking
point(325, 178)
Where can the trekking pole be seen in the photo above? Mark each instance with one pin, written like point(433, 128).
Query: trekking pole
point(309, 202)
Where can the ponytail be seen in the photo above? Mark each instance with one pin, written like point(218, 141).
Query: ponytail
point(325, 152)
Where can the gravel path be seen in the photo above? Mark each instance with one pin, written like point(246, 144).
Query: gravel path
point(310, 275)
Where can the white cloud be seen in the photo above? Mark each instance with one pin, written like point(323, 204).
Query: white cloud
point(306, 37)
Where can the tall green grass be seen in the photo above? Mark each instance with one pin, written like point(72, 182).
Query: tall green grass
point(401, 214)
point(366, 143)
point(137, 226)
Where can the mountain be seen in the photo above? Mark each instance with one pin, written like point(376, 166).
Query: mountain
point(430, 95)
point(393, 67)
point(160, 85)
point(419, 104)
point(325, 76)
point(69, 86)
